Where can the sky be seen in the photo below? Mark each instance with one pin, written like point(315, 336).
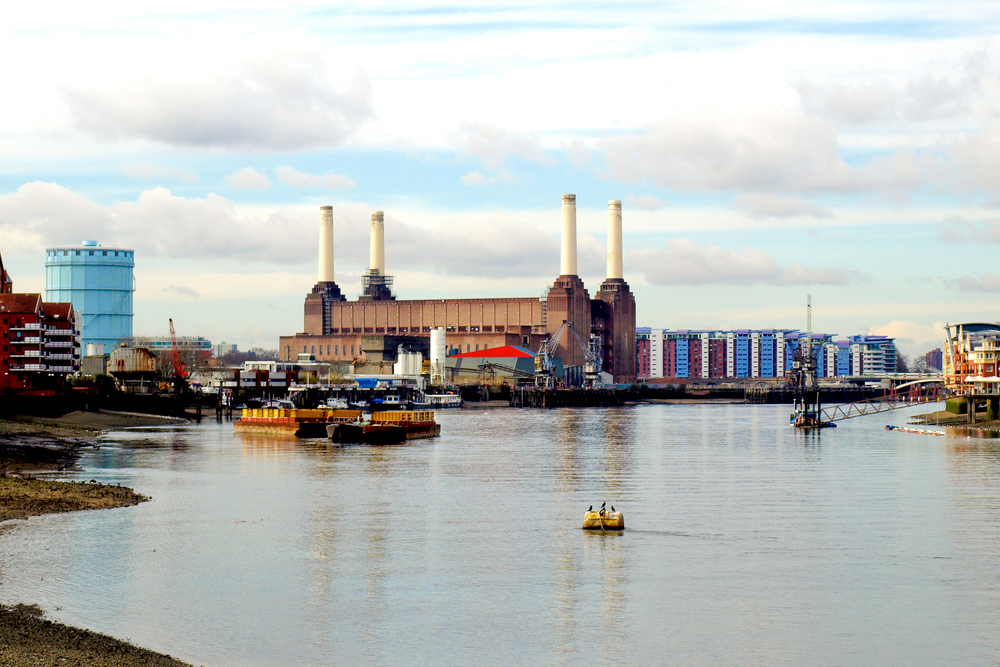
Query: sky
point(762, 151)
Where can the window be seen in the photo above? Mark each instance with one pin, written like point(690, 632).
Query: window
point(328, 349)
point(77, 253)
point(468, 348)
point(352, 349)
point(91, 253)
point(477, 347)
point(313, 350)
point(105, 252)
point(304, 349)
point(336, 349)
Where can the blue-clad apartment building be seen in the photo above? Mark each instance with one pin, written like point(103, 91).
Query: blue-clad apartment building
point(764, 353)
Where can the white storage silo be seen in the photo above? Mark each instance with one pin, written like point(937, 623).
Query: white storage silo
point(438, 355)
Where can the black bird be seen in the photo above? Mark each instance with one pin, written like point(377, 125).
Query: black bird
point(612, 508)
point(603, 504)
point(590, 509)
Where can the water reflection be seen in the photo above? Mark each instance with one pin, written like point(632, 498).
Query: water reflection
point(747, 543)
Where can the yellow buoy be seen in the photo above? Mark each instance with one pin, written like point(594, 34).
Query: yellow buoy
point(609, 521)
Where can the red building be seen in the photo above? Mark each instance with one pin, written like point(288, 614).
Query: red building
point(39, 343)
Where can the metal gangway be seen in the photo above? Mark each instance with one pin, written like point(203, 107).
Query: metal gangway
point(892, 400)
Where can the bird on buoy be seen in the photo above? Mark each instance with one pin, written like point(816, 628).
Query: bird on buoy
point(602, 509)
point(603, 504)
point(612, 508)
point(590, 509)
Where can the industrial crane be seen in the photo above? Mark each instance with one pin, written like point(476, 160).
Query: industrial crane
point(179, 369)
point(544, 363)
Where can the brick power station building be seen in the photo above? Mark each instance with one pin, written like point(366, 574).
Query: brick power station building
point(373, 326)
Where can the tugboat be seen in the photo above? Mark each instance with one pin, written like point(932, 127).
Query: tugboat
point(389, 427)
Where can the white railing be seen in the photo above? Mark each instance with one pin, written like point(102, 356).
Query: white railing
point(33, 340)
point(29, 367)
point(59, 343)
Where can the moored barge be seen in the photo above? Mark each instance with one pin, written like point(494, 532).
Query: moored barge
point(301, 423)
point(387, 428)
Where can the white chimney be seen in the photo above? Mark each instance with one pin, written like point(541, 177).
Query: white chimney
point(615, 240)
point(326, 244)
point(568, 257)
point(377, 259)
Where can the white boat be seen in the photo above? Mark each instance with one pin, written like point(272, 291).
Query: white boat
point(440, 401)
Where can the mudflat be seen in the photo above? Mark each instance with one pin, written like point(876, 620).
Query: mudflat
point(21, 498)
point(28, 640)
point(30, 445)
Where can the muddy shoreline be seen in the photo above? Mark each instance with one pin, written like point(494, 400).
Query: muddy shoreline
point(28, 640)
point(42, 445)
point(944, 418)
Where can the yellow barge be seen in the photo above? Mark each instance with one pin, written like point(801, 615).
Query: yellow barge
point(387, 428)
point(301, 423)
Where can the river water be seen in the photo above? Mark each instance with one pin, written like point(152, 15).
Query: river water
point(748, 543)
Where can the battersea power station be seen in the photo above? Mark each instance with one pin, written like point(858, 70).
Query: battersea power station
point(373, 327)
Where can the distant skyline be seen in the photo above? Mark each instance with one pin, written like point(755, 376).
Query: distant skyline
point(849, 150)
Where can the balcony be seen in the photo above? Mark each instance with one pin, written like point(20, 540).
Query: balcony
point(30, 326)
point(29, 367)
point(33, 340)
point(28, 353)
point(60, 343)
point(60, 356)
point(52, 331)
point(62, 369)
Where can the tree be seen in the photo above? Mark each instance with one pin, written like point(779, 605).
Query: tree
point(920, 364)
point(902, 366)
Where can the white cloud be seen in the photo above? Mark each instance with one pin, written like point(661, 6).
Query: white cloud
point(681, 262)
point(328, 180)
point(911, 337)
point(958, 229)
point(475, 178)
point(247, 178)
point(922, 97)
point(646, 202)
point(492, 145)
point(148, 171)
point(160, 224)
point(780, 151)
point(760, 205)
point(181, 290)
point(987, 282)
point(278, 101)
point(979, 157)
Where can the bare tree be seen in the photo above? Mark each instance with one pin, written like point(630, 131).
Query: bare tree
point(902, 364)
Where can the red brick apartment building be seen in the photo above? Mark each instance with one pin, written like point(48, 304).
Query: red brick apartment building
point(39, 343)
